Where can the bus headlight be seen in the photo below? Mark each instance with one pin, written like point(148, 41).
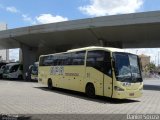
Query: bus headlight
point(118, 88)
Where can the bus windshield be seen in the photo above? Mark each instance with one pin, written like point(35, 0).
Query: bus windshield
point(6, 69)
point(127, 67)
point(35, 69)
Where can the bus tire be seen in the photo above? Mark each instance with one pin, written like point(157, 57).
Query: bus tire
point(90, 90)
point(50, 86)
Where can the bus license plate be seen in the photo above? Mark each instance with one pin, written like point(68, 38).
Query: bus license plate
point(131, 94)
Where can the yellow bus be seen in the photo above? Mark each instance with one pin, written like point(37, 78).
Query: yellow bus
point(101, 71)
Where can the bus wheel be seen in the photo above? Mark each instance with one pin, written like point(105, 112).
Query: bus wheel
point(50, 86)
point(90, 90)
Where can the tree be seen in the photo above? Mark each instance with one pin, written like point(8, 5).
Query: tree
point(151, 66)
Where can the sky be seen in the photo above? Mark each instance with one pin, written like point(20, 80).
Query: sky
point(20, 13)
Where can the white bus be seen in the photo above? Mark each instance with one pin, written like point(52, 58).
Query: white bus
point(13, 71)
point(2, 70)
point(34, 72)
point(99, 71)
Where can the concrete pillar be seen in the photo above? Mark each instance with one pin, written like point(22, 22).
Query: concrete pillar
point(3, 26)
point(115, 44)
point(101, 43)
point(7, 55)
point(29, 56)
point(20, 56)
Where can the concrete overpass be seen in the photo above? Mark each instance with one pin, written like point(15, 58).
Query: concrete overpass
point(138, 30)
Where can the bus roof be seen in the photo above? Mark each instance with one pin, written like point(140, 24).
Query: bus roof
point(111, 49)
point(11, 64)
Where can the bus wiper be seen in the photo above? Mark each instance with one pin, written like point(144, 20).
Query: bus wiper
point(124, 78)
point(139, 79)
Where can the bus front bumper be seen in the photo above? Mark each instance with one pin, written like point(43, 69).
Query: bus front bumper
point(6, 76)
point(127, 94)
point(34, 77)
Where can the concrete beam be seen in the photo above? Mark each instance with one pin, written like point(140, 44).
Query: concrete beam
point(117, 30)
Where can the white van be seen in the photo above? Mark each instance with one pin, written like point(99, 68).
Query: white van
point(1, 70)
point(13, 71)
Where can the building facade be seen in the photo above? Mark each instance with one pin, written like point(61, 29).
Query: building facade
point(4, 54)
point(3, 26)
point(145, 60)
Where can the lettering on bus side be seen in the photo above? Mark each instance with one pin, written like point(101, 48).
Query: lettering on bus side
point(71, 74)
point(57, 70)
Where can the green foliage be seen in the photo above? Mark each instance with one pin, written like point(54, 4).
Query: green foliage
point(151, 66)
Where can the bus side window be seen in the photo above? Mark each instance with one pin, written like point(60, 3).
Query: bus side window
point(46, 60)
point(95, 59)
point(99, 60)
point(60, 60)
point(68, 60)
point(90, 62)
point(55, 62)
point(41, 61)
point(78, 58)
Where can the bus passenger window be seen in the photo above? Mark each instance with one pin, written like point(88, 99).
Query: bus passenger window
point(99, 60)
point(68, 59)
point(95, 59)
point(78, 58)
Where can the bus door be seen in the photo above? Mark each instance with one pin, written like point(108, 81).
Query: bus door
point(108, 78)
point(98, 71)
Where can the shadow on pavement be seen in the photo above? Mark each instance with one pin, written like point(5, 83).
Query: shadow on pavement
point(151, 87)
point(80, 95)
